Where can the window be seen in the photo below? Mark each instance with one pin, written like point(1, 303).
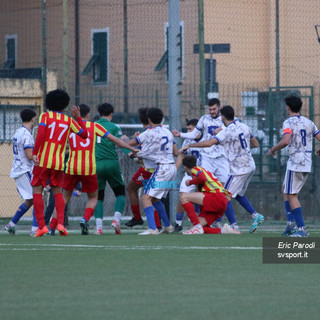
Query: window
point(99, 61)
point(164, 59)
point(11, 52)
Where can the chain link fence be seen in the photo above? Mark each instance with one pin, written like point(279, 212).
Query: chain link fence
point(254, 54)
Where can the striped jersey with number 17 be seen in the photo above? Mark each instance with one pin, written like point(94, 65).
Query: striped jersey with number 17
point(82, 159)
point(52, 149)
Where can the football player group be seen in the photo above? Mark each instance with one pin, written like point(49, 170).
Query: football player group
point(216, 157)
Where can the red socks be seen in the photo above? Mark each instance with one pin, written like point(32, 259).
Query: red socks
point(88, 213)
point(38, 209)
point(189, 208)
point(53, 223)
point(60, 205)
point(136, 211)
point(210, 230)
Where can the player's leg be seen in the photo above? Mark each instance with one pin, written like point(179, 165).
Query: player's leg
point(132, 188)
point(290, 228)
point(24, 189)
point(294, 182)
point(179, 217)
point(60, 208)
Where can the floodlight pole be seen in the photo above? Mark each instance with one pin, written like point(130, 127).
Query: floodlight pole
point(174, 82)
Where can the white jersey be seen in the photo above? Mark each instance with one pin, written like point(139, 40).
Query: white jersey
point(235, 139)
point(207, 125)
point(196, 152)
point(23, 139)
point(156, 145)
point(302, 130)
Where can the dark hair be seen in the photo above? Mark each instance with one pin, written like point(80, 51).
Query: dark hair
point(155, 115)
point(189, 161)
point(214, 101)
point(84, 110)
point(105, 109)
point(227, 112)
point(143, 115)
point(26, 115)
point(294, 103)
point(57, 100)
point(192, 122)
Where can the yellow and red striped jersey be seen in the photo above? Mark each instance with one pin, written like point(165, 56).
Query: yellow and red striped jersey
point(82, 159)
point(52, 149)
point(212, 184)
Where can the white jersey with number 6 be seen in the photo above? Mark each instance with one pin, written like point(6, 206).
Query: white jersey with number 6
point(235, 139)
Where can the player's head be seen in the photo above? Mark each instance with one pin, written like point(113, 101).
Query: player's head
point(84, 110)
point(105, 109)
point(143, 115)
point(155, 115)
point(57, 100)
point(227, 112)
point(191, 124)
point(214, 106)
point(294, 103)
point(189, 162)
point(27, 115)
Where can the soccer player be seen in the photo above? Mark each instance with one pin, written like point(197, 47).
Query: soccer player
point(191, 124)
point(213, 200)
point(81, 166)
point(48, 155)
point(108, 169)
point(298, 132)
point(142, 175)
point(213, 159)
point(157, 145)
point(22, 166)
point(237, 140)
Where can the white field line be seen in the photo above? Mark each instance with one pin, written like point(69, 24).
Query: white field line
point(32, 247)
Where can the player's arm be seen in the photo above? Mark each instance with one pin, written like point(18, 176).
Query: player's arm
point(282, 143)
point(175, 150)
point(199, 179)
point(317, 136)
point(29, 153)
point(75, 110)
point(121, 143)
point(201, 144)
point(254, 142)
point(188, 135)
point(179, 160)
point(40, 139)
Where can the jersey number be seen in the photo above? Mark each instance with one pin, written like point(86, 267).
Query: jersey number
point(243, 142)
point(303, 134)
point(166, 140)
point(61, 125)
point(74, 141)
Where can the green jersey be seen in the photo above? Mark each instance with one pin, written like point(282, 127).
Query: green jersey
point(105, 149)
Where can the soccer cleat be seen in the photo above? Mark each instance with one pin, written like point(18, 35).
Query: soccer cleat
point(52, 232)
point(226, 229)
point(217, 224)
point(235, 226)
point(133, 222)
point(98, 232)
point(289, 230)
point(84, 226)
point(177, 228)
point(33, 232)
point(197, 229)
point(62, 230)
point(300, 233)
point(116, 227)
point(41, 232)
point(256, 222)
point(169, 229)
point(149, 232)
point(10, 229)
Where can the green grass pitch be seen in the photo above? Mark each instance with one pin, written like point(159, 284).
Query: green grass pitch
point(152, 277)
